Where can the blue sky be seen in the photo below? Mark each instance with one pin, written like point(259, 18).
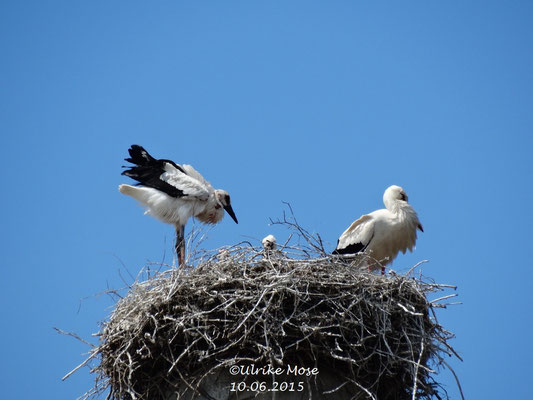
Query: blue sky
point(320, 104)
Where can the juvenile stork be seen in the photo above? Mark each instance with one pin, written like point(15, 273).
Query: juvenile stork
point(269, 242)
point(173, 193)
point(382, 233)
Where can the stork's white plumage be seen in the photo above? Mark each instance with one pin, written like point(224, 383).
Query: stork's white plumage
point(269, 242)
point(382, 234)
point(174, 193)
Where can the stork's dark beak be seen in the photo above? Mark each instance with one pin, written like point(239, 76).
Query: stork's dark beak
point(229, 210)
point(420, 227)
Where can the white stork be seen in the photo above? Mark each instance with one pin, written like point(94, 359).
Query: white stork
point(173, 193)
point(269, 242)
point(382, 233)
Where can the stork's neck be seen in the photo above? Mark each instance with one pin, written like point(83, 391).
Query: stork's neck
point(399, 207)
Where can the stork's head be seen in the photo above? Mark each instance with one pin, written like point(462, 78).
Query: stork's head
point(222, 198)
point(269, 243)
point(393, 194)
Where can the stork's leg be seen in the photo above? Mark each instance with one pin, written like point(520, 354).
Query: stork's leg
point(180, 244)
point(382, 270)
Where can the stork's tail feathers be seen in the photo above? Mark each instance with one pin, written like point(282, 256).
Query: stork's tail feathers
point(138, 193)
point(125, 189)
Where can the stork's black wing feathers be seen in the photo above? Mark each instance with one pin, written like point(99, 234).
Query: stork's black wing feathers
point(140, 157)
point(353, 248)
point(147, 171)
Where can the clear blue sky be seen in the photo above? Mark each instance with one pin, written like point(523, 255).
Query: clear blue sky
point(321, 104)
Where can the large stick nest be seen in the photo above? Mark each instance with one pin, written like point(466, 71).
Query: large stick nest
point(377, 334)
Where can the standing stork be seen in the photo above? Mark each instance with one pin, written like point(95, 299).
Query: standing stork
point(382, 233)
point(173, 193)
